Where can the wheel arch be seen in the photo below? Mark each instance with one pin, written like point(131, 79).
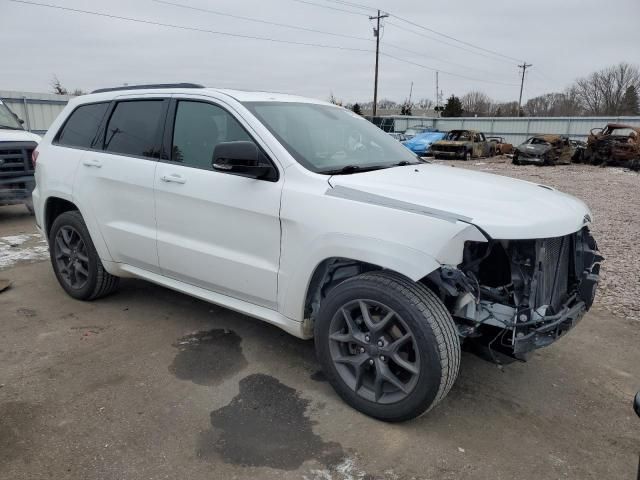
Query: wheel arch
point(301, 297)
point(55, 205)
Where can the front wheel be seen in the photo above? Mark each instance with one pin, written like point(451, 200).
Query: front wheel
point(387, 345)
point(466, 156)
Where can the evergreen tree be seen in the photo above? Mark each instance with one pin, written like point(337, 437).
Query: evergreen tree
point(630, 102)
point(453, 107)
point(356, 108)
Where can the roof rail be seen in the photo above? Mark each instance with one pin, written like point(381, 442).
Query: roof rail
point(150, 86)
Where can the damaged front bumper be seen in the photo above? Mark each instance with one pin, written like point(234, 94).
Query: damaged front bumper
point(518, 296)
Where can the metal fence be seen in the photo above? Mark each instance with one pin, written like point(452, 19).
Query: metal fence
point(38, 110)
point(514, 129)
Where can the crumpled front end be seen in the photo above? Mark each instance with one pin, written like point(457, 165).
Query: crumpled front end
point(512, 297)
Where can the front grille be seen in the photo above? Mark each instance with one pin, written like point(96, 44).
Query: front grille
point(446, 148)
point(15, 159)
point(553, 262)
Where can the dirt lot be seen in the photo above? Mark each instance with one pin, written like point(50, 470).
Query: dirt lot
point(152, 384)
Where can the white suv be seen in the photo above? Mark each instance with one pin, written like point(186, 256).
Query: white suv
point(305, 215)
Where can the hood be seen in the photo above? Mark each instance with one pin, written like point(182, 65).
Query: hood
point(535, 150)
point(459, 143)
point(7, 135)
point(505, 208)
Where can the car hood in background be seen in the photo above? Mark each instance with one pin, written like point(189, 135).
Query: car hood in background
point(534, 150)
point(7, 135)
point(504, 207)
point(422, 141)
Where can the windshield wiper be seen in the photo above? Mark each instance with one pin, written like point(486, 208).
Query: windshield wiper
point(347, 169)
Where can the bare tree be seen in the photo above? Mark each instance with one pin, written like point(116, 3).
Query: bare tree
point(602, 92)
point(425, 104)
point(334, 100)
point(553, 105)
point(57, 87)
point(476, 103)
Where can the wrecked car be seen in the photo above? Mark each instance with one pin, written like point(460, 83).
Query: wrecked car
point(500, 146)
point(16, 169)
point(615, 145)
point(390, 263)
point(544, 150)
point(421, 144)
point(462, 144)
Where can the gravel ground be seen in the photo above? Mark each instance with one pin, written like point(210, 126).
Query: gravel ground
point(613, 195)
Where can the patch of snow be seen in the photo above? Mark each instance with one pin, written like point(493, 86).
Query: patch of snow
point(22, 248)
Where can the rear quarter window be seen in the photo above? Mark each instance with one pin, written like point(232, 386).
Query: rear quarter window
point(81, 127)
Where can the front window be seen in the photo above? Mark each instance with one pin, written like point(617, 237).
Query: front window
point(8, 119)
point(328, 139)
point(459, 136)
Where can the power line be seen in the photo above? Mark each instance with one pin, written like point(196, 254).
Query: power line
point(453, 38)
point(445, 43)
point(184, 27)
point(352, 4)
point(445, 72)
point(359, 14)
point(266, 22)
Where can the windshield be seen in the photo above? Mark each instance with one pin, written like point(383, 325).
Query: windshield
point(8, 119)
point(459, 135)
point(327, 139)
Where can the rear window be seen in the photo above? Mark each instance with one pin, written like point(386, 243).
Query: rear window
point(82, 126)
point(133, 128)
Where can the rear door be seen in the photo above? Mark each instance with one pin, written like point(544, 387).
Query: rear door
point(115, 179)
point(216, 230)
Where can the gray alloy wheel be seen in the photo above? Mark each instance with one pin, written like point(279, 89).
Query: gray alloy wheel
point(72, 260)
point(374, 351)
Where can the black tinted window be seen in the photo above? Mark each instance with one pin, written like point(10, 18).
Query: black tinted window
point(81, 127)
point(133, 128)
point(198, 128)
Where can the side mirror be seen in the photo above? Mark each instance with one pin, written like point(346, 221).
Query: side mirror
point(244, 159)
point(636, 404)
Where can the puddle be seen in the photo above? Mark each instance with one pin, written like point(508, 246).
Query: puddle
point(265, 426)
point(206, 358)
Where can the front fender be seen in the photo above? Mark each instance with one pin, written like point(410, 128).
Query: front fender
point(294, 281)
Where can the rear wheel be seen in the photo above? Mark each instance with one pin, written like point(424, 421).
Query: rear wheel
point(387, 345)
point(75, 261)
point(466, 156)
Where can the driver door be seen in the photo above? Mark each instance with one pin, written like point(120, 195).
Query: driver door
point(216, 230)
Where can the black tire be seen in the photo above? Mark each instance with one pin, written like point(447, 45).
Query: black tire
point(434, 335)
point(466, 156)
point(99, 282)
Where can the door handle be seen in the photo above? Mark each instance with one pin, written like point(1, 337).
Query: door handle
point(173, 178)
point(92, 162)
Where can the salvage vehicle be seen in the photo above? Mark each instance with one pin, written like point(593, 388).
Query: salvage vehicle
point(421, 144)
point(463, 144)
point(411, 132)
point(544, 150)
point(305, 215)
point(397, 136)
point(615, 145)
point(16, 170)
point(500, 146)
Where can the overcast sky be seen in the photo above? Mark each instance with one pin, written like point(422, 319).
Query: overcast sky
point(563, 39)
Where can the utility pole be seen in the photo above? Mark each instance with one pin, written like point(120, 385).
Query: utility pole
point(410, 93)
point(437, 94)
point(376, 33)
point(524, 67)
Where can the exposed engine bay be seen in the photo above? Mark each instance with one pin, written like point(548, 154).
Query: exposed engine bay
point(514, 296)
